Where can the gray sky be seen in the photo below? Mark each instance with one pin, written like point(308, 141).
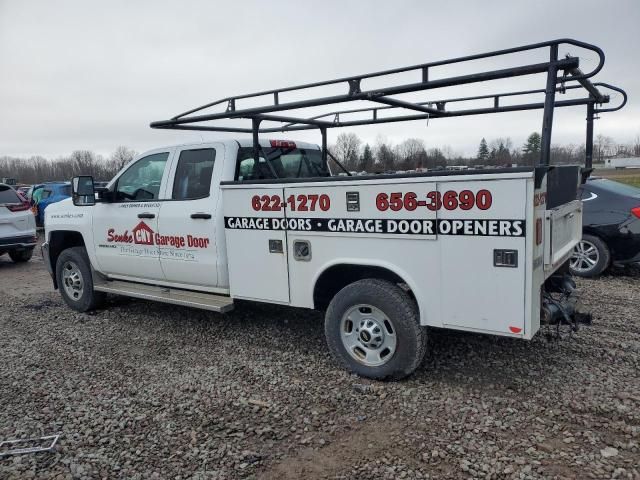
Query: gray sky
point(92, 75)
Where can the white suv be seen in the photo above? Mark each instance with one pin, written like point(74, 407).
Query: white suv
point(17, 226)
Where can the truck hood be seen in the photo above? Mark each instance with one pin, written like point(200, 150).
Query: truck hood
point(61, 206)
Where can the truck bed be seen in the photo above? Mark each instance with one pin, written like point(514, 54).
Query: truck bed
point(442, 252)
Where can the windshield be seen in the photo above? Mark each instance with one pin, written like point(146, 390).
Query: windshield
point(285, 162)
point(616, 187)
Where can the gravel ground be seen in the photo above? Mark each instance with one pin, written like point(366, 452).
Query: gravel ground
point(145, 390)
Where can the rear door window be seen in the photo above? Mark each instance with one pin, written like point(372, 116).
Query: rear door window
point(7, 195)
point(193, 174)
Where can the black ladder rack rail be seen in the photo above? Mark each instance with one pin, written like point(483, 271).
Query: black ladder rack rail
point(571, 78)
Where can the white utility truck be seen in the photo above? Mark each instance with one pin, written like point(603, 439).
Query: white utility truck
point(387, 256)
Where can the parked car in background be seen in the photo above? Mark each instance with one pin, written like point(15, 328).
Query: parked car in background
point(610, 227)
point(23, 190)
point(17, 225)
point(45, 194)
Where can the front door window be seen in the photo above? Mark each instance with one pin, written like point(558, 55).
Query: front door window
point(142, 180)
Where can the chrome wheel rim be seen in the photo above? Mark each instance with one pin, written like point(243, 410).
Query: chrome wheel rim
point(585, 257)
point(368, 335)
point(72, 280)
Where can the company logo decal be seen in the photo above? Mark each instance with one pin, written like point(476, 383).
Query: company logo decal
point(143, 234)
point(493, 228)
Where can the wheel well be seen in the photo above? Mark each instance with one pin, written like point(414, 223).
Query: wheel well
point(335, 278)
point(592, 232)
point(61, 240)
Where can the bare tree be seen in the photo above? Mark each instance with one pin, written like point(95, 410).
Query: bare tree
point(347, 150)
point(37, 169)
point(602, 147)
point(411, 154)
point(121, 157)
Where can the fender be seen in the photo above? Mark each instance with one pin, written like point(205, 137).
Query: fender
point(370, 262)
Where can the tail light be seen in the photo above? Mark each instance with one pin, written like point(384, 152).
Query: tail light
point(538, 231)
point(18, 207)
point(636, 211)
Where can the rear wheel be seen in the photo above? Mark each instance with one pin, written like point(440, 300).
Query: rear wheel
point(20, 256)
point(73, 272)
point(372, 329)
point(590, 257)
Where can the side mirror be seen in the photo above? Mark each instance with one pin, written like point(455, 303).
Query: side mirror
point(82, 191)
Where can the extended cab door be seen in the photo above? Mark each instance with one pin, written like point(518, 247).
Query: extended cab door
point(188, 223)
point(124, 229)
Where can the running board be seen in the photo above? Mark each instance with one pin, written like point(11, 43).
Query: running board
point(205, 301)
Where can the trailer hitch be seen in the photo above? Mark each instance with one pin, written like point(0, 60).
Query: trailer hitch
point(561, 306)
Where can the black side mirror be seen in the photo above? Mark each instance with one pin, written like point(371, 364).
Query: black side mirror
point(83, 191)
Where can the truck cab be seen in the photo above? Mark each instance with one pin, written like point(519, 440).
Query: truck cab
point(160, 219)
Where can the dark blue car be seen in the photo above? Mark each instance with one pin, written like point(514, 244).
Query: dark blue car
point(45, 194)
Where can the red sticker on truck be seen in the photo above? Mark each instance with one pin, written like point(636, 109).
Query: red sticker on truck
point(300, 203)
point(435, 200)
point(394, 201)
point(539, 199)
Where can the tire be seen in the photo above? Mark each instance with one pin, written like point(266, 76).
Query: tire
point(381, 313)
point(590, 257)
point(73, 273)
point(20, 256)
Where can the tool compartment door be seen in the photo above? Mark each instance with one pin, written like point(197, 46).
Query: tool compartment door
point(563, 227)
point(477, 221)
point(256, 239)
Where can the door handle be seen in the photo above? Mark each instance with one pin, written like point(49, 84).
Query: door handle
point(146, 215)
point(204, 216)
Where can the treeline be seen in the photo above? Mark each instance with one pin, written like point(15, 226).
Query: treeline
point(412, 153)
point(38, 169)
point(383, 156)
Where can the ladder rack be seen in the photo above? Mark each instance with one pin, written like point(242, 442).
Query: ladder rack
point(562, 75)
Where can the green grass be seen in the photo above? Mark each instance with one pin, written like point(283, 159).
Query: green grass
point(628, 176)
point(628, 179)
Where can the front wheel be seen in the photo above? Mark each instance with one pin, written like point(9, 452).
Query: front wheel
point(372, 329)
point(73, 273)
point(590, 257)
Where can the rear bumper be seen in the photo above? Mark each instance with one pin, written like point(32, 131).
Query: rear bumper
point(21, 242)
point(634, 259)
point(625, 247)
